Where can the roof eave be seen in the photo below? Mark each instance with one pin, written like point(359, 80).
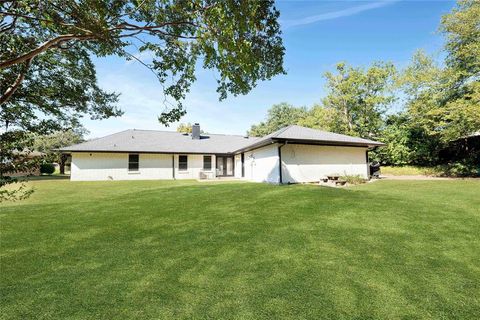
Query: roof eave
point(331, 143)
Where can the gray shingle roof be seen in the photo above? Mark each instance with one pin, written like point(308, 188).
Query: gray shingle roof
point(298, 133)
point(163, 141)
point(175, 142)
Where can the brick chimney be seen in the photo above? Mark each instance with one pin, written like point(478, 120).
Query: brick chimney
point(196, 131)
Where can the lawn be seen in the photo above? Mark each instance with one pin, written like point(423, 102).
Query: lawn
point(409, 171)
point(189, 250)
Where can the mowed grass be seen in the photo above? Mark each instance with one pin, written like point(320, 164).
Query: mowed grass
point(408, 171)
point(189, 250)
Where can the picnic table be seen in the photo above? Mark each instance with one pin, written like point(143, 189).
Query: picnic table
point(333, 177)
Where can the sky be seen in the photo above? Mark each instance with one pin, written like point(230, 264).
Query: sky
point(316, 35)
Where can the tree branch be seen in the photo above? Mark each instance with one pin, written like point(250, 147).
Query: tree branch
point(18, 81)
point(42, 48)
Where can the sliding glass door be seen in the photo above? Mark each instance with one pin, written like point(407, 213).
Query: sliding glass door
point(224, 166)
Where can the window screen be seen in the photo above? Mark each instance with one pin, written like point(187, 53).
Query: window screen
point(182, 163)
point(207, 162)
point(133, 162)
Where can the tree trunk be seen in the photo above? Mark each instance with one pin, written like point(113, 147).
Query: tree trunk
point(63, 159)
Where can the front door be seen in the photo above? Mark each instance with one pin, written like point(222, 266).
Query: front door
point(224, 166)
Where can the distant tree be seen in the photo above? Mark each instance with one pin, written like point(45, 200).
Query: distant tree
point(58, 139)
point(359, 97)
point(319, 117)
point(462, 34)
point(186, 128)
point(279, 116)
point(461, 100)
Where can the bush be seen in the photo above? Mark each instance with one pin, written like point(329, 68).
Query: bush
point(47, 168)
point(459, 169)
point(353, 179)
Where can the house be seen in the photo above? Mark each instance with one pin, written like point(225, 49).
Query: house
point(289, 155)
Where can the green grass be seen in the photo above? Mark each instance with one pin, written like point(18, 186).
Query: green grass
point(188, 250)
point(409, 171)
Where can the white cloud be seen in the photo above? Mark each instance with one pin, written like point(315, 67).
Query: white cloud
point(335, 14)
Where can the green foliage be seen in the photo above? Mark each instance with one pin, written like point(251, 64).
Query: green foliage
point(279, 116)
point(462, 168)
point(462, 34)
point(353, 179)
point(360, 97)
point(396, 135)
point(48, 144)
point(239, 39)
point(186, 128)
point(47, 168)
point(48, 81)
point(319, 117)
point(15, 148)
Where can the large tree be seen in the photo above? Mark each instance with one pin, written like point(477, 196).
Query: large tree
point(48, 81)
point(238, 38)
point(360, 97)
point(50, 143)
point(279, 116)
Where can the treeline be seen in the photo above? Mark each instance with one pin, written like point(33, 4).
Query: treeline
point(417, 110)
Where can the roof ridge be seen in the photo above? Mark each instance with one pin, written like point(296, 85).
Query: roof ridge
point(207, 133)
point(281, 130)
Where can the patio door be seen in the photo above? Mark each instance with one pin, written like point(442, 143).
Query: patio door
point(224, 166)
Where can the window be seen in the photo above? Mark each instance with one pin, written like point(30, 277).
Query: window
point(207, 163)
point(182, 163)
point(133, 162)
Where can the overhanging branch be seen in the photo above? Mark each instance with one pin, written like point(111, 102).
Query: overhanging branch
point(42, 48)
point(18, 81)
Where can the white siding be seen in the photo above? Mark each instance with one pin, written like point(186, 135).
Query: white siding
point(195, 166)
point(114, 166)
point(261, 165)
point(307, 163)
point(238, 165)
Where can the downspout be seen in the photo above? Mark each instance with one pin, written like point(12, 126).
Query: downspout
point(368, 166)
point(173, 166)
point(280, 162)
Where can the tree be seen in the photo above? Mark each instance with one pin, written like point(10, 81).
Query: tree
point(48, 143)
point(48, 81)
point(319, 117)
point(462, 34)
point(57, 91)
point(360, 97)
point(240, 39)
point(186, 128)
point(461, 101)
point(279, 116)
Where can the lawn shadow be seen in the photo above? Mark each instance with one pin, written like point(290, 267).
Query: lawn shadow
point(44, 177)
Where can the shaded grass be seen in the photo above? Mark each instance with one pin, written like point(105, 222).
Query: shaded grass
point(160, 249)
point(409, 171)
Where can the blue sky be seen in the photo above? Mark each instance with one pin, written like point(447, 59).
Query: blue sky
point(317, 35)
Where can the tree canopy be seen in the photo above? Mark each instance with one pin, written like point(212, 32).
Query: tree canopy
point(436, 102)
point(279, 116)
point(48, 144)
point(48, 81)
point(239, 39)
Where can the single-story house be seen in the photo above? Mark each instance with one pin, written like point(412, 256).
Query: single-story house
point(290, 155)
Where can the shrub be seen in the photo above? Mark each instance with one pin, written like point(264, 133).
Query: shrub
point(353, 179)
point(459, 169)
point(47, 168)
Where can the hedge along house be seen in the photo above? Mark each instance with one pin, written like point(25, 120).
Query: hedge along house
point(290, 155)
